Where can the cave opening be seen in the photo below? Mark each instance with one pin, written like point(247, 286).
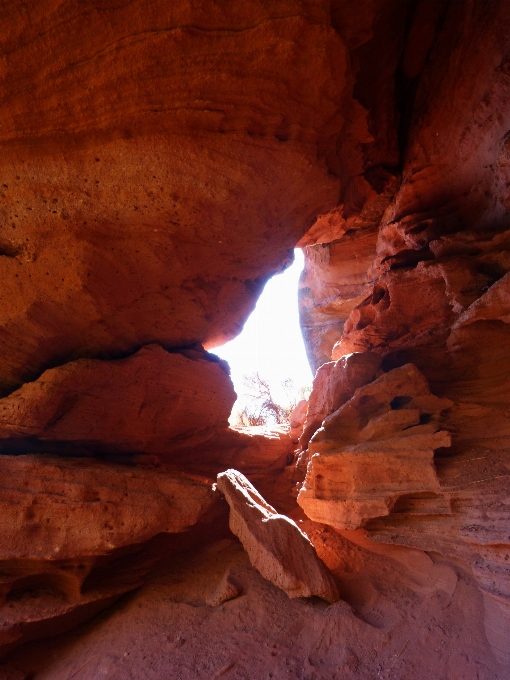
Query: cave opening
point(271, 348)
point(160, 160)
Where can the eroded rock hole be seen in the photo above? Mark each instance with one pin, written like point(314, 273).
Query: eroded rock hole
point(399, 402)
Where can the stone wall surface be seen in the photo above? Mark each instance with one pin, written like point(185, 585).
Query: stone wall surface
point(159, 162)
point(151, 151)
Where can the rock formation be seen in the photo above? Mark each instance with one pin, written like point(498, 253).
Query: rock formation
point(375, 449)
point(160, 161)
point(153, 402)
point(61, 516)
point(145, 169)
point(276, 546)
point(333, 385)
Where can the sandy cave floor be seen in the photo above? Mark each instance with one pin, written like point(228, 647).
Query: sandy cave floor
point(395, 627)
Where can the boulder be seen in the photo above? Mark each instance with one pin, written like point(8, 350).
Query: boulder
point(276, 546)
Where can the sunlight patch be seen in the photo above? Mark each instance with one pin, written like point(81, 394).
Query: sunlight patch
point(268, 362)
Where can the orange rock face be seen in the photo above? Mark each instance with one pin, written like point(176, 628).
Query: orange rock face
point(159, 162)
point(61, 516)
point(376, 448)
point(149, 153)
point(154, 402)
point(62, 508)
point(335, 384)
point(427, 284)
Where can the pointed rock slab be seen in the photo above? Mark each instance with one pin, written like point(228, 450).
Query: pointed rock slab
point(276, 546)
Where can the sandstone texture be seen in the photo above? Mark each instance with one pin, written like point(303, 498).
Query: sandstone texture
point(376, 448)
point(167, 630)
point(54, 508)
point(151, 402)
point(334, 384)
point(159, 162)
point(149, 151)
point(426, 283)
point(62, 517)
point(276, 546)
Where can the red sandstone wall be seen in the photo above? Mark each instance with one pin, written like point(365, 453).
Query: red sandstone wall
point(159, 162)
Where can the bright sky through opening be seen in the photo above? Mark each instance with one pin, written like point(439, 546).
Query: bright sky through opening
point(271, 342)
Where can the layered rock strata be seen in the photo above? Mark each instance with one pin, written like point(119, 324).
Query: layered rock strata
point(429, 286)
point(72, 536)
point(150, 152)
point(159, 162)
point(153, 402)
point(333, 385)
point(374, 450)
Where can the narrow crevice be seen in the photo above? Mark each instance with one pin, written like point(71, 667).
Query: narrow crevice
point(415, 55)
